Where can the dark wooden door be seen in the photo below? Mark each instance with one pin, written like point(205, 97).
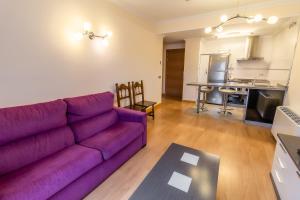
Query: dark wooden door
point(174, 72)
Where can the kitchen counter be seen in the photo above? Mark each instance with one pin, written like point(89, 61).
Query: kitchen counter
point(258, 111)
point(291, 144)
point(242, 85)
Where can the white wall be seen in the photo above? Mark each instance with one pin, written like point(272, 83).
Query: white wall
point(284, 43)
point(236, 47)
point(166, 46)
point(293, 95)
point(277, 51)
point(191, 63)
point(39, 62)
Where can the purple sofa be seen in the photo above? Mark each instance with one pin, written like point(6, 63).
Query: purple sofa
point(65, 148)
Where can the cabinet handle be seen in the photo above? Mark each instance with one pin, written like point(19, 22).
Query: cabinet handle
point(278, 177)
point(280, 163)
point(298, 173)
point(282, 148)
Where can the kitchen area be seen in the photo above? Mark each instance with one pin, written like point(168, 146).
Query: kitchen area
point(248, 72)
point(256, 66)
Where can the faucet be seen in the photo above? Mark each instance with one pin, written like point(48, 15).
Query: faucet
point(257, 78)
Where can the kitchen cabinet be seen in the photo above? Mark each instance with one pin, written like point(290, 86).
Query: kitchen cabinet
point(285, 171)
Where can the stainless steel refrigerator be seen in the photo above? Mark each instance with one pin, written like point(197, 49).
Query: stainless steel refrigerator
point(217, 73)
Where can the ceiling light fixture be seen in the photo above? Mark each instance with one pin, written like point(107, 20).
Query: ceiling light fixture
point(224, 18)
point(208, 30)
point(219, 29)
point(272, 20)
point(258, 18)
point(250, 19)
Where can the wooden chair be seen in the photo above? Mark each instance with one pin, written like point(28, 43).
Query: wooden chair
point(124, 93)
point(138, 90)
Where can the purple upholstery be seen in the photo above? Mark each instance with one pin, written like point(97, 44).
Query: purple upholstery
point(84, 107)
point(44, 178)
point(134, 116)
point(97, 175)
point(38, 155)
point(89, 127)
point(23, 121)
point(20, 153)
point(115, 138)
point(32, 132)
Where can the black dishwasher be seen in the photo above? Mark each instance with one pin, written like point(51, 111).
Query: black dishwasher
point(267, 103)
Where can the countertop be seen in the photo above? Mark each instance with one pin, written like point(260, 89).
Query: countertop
point(291, 144)
point(241, 85)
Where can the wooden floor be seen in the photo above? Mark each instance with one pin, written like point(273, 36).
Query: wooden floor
point(246, 153)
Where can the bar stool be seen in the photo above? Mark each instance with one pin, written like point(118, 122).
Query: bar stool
point(225, 93)
point(204, 90)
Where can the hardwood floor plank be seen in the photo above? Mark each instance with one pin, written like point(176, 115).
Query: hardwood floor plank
point(246, 153)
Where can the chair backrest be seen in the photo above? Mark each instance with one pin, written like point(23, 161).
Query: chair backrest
point(123, 93)
point(137, 89)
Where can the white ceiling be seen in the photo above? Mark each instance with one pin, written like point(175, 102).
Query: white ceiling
point(261, 28)
point(157, 10)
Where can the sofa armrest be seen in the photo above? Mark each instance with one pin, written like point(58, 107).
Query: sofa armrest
point(134, 116)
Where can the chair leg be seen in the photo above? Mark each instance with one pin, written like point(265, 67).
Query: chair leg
point(153, 112)
point(225, 110)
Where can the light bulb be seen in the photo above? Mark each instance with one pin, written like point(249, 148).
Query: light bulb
point(87, 26)
point(219, 29)
point(272, 20)
point(224, 18)
point(208, 30)
point(250, 20)
point(109, 33)
point(104, 42)
point(258, 18)
point(77, 36)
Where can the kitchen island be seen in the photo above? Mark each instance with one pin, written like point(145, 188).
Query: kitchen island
point(257, 108)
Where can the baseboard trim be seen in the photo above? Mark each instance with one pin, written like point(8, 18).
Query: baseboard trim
point(188, 101)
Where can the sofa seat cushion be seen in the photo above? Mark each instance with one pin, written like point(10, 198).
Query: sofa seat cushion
point(42, 179)
point(115, 138)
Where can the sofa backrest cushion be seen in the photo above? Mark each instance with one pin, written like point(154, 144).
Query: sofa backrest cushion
point(89, 127)
point(91, 114)
point(23, 152)
point(84, 107)
point(23, 121)
point(32, 132)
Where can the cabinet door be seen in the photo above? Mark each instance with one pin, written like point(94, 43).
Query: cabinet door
point(203, 68)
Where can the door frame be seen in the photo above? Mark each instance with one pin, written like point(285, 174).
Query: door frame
point(166, 61)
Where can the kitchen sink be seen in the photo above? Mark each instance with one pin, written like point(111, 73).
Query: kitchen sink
point(262, 84)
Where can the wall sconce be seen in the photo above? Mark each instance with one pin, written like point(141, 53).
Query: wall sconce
point(87, 31)
point(91, 35)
